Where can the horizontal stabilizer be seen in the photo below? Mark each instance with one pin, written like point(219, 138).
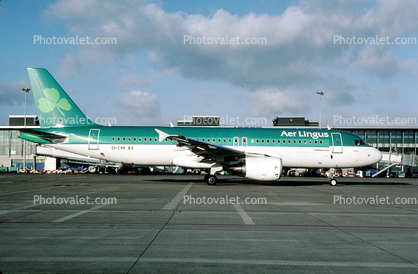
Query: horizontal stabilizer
point(41, 137)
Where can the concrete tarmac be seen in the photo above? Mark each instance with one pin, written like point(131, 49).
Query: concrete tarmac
point(177, 224)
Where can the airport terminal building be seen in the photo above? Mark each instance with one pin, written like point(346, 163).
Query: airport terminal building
point(398, 143)
point(13, 149)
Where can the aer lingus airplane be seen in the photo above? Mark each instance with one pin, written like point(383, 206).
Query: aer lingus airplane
point(255, 153)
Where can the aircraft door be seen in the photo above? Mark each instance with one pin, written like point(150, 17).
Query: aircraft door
point(94, 139)
point(337, 143)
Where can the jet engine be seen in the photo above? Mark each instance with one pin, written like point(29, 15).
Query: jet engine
point(262, 169)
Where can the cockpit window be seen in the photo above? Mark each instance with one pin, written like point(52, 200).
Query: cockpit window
point(360, 142)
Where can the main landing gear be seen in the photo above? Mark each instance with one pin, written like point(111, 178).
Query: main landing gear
point(211, 178)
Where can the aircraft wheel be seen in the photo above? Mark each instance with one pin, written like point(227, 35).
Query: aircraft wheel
point(211, 180)
point(333, 182)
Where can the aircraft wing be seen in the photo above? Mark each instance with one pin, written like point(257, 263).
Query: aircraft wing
point(209, 151)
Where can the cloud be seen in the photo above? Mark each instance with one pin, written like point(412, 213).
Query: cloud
point(388, 93)
point(378, 61)
point(200, 102)
point(131, 81)
point(298, 42)
point(272, 102)
point(12, 94)
point(299, 52)
point(137, 106)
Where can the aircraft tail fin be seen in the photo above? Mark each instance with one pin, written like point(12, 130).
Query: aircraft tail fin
point(53, 105)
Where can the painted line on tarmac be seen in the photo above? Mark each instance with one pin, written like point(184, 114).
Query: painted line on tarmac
point(32, 190)
point(78, 214)
point(247, 219)
point(35, 205)
point(212, 261)
point(279, 262)
point(174, 203)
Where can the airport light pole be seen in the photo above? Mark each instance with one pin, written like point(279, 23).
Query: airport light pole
point(26, 90)
point(321, 93)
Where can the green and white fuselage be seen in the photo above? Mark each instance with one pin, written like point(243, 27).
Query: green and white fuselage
point(257, 153)
point(310, 148)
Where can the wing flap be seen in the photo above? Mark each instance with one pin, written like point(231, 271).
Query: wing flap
point(207, 150)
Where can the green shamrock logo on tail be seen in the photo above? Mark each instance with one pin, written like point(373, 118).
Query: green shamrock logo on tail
point(52, 101)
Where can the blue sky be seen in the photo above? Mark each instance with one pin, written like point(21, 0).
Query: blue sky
point(151, 76)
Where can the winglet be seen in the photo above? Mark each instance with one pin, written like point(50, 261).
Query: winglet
point(162, 135)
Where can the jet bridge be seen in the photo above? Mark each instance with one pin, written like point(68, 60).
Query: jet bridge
point(391, 159)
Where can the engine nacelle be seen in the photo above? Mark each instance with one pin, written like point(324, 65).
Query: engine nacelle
point(262, 169)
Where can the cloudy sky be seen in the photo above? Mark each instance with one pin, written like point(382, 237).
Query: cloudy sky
point(251, 60)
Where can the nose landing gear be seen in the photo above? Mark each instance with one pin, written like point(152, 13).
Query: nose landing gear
point(330, 175)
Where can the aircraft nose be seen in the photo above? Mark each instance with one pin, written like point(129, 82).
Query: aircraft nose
point(376, 155)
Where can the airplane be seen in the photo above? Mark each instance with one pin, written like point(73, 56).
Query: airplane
point(254, 153)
